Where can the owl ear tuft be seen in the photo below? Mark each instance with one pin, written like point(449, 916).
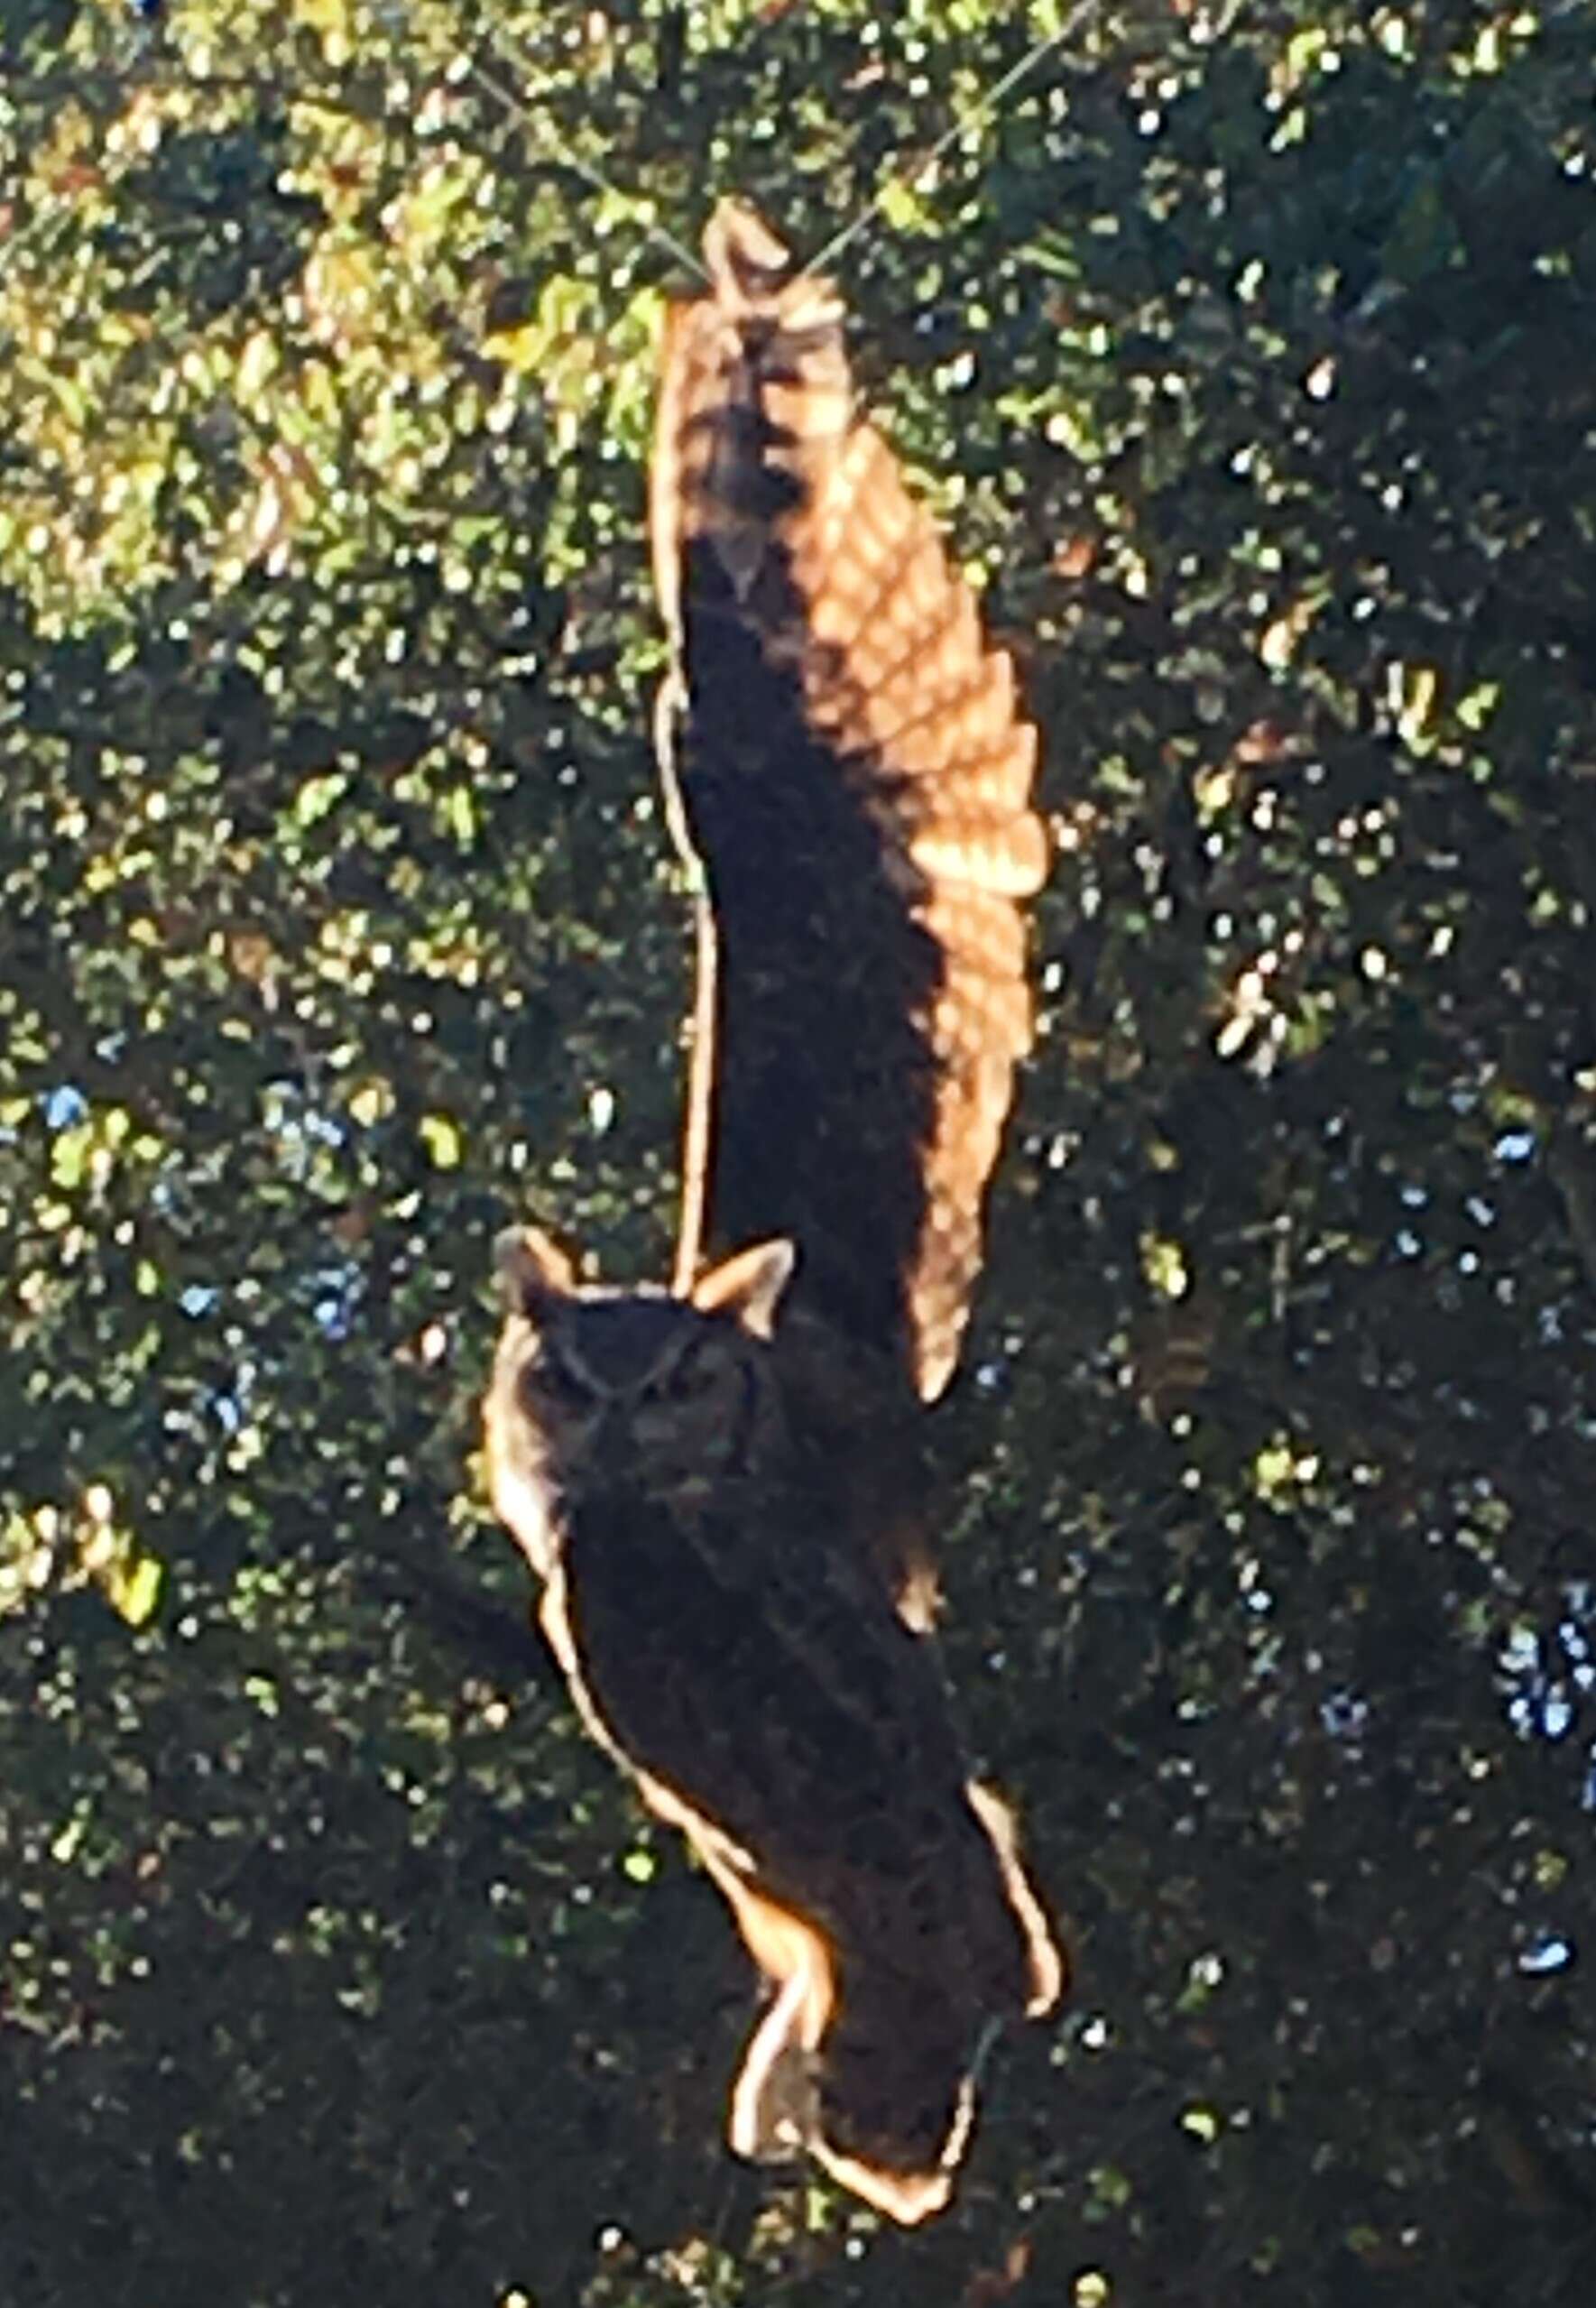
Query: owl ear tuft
point(749, 1286)
point(532, 1270)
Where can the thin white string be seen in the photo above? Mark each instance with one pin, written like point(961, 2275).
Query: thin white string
point(540, 128)
point(983, 110)
point(555, 143)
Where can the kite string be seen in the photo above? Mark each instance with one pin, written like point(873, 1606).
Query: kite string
point(566, 154)
point(985, 107)
point(517, 108)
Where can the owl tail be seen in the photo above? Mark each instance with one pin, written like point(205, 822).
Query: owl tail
point(869, 2055)
point(884, 2101)
point(895, 2093)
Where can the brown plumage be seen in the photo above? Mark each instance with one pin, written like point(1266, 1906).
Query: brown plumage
point(721, 1486)
point(856, 779)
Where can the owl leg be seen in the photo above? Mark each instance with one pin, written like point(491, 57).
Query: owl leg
point(774, 2111)
point(774, 2101)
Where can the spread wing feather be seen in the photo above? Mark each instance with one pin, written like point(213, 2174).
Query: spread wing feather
point(855, 779)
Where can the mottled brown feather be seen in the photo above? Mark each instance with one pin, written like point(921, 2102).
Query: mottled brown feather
point(832, 677)
point(723, 1488)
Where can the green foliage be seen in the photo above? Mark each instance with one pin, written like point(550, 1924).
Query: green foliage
point(1249, 355)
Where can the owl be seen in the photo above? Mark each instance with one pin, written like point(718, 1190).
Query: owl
point(719, 1481)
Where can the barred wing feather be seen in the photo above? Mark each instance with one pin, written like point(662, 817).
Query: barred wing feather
point(855, 778)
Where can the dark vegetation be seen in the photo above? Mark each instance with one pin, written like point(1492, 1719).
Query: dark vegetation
point(1253, 359)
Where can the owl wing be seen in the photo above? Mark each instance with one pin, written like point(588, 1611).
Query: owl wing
point(848, 764)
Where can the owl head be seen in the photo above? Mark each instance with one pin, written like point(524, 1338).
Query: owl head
point(625, 1391)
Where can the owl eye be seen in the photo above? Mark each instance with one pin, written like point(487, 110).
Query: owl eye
point(696, 1373)
point(555, 1381)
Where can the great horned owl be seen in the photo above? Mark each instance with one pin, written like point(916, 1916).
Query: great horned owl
point(720, 1483)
